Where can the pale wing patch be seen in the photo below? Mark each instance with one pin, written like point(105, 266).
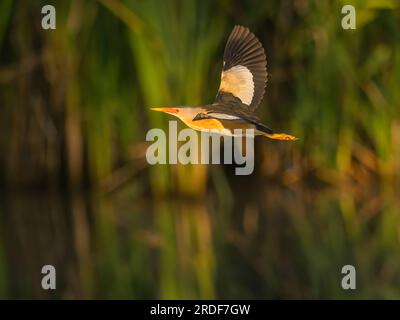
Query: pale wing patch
point(223, 116)
point(238, 80)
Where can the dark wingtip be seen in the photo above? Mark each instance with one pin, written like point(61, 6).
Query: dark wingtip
point(264, 128)
point(199, 116)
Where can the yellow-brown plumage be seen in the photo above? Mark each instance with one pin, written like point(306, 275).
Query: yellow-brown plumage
point(243, 80)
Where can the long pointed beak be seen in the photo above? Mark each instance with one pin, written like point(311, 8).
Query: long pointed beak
point(165, 110)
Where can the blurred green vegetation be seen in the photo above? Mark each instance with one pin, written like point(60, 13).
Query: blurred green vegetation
point(76, 99)
point(74, 112)
point(276, 243)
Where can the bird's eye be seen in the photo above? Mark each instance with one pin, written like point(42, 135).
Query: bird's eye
point(177, 110)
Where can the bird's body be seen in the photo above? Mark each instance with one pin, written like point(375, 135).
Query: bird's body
point(243, 80)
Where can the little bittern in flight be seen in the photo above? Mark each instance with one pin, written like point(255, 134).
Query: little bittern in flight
point(243, 80)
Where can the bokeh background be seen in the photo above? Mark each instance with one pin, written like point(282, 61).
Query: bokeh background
point(76, 190)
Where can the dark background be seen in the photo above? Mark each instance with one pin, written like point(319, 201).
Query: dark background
point(77, 192)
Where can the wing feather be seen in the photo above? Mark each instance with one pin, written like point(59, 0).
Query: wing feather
point(244, 72)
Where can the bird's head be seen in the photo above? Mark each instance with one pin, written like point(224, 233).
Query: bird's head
point(186, 114)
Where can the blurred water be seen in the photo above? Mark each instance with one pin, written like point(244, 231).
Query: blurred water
point(272, 242)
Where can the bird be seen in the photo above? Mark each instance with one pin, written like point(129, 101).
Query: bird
point(242, 87)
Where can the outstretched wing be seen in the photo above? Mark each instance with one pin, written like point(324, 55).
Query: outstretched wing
point(244, 72)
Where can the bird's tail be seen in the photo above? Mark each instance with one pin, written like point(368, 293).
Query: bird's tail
point(279, 136)
point(268, 132)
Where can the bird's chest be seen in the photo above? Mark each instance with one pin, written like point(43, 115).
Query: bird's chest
point(206, 124)
point(225, 127)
